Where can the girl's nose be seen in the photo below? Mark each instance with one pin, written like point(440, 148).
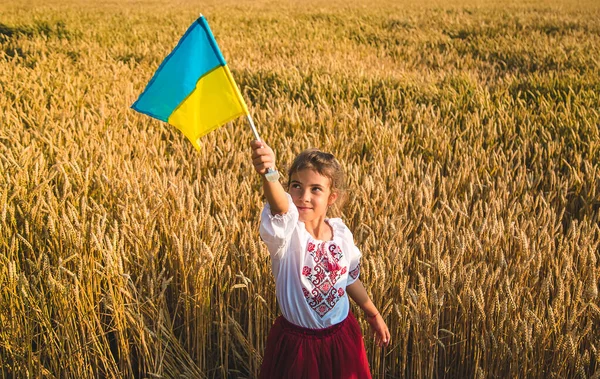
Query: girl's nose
point(305, 196)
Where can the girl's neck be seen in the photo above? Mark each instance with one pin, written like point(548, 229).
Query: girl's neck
point(319, 229)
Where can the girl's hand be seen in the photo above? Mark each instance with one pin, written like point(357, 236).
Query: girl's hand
point(263, 157)
point(379, 329)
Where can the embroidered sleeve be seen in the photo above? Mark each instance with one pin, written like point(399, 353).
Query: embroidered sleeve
point(353, 255)
point(354, 269)
point(276, 230)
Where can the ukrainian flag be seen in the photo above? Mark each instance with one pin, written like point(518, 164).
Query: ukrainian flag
point(193, 89)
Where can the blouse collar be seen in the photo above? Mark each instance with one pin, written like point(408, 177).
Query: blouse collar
point(337, 227)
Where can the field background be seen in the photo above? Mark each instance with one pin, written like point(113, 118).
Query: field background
point(469, 131)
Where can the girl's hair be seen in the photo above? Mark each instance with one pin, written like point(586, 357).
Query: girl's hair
point(325, 164)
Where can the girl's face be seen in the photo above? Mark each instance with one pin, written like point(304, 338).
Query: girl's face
point(311, 193)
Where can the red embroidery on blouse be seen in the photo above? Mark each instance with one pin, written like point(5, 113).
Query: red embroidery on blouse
point(324, 276)
point(355, 272)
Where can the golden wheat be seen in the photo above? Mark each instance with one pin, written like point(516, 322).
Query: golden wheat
point(469, 132)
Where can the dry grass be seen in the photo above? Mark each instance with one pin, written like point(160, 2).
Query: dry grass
point(469, 131)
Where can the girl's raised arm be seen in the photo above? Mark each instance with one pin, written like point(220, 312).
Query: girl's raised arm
point(263, 158)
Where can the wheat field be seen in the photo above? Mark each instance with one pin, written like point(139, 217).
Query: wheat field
point(469, 132)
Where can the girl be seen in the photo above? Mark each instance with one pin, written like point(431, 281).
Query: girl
point(316, 267)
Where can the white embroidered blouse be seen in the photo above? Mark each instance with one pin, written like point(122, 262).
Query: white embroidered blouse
point(310, 275)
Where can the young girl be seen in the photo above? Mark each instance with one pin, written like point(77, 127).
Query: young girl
point(316, 267)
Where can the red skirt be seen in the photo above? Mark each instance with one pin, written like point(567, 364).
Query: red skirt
point(336, 352)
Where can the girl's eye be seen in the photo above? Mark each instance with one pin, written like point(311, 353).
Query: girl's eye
point(317, 189)
point(295, 186)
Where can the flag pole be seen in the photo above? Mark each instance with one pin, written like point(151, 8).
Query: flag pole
point(253, 127)
point(271, 174)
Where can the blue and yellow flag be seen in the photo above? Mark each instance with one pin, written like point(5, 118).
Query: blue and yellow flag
point(193, 89)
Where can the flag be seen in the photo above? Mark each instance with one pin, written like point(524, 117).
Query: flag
point(193, 89)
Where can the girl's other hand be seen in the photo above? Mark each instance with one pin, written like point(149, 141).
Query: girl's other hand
point(263, 156)
point(380, 330)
